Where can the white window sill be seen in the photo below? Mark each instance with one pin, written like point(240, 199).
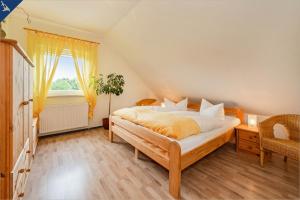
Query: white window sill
point(65, 93)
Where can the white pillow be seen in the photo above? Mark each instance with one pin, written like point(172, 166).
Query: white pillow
point(210, 110)
point(209, 123)
point(180, 106)
point(169, 103)
point(280, 131)
point(205, 104)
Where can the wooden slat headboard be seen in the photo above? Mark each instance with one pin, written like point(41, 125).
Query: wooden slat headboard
point(236, 112)
point(146, 102)
point(230, 111)
point(194, 106)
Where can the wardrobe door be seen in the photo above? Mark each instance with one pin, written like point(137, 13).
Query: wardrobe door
point(5, 117)
point(31, 78)
point(30, 106)
point(26, 100)
point(18, 105)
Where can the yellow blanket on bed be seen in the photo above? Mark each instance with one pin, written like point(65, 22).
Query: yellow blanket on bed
point(170, 125)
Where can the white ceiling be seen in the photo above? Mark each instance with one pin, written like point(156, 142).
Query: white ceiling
point(91, 15)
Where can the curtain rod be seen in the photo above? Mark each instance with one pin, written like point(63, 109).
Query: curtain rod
point(29, 29)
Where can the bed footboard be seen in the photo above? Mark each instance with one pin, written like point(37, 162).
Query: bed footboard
point(164, 151)
point(174, 169)
point(196, 154)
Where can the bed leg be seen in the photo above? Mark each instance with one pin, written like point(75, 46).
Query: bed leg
point(174, 169)
point(110, 133)
point(136, 153)
point(262, 157)
point(111, 136)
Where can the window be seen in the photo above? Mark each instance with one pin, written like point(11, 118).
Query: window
point(65, 81)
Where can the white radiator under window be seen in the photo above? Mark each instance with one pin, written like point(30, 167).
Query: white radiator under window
point(63, 118)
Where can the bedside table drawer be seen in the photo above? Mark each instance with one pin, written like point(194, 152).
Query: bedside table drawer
point(249, 146)
point(249, 136)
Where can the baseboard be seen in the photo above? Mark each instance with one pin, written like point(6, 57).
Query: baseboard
point(67, 131)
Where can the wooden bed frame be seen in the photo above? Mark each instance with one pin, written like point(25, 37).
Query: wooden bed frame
point(165, 151)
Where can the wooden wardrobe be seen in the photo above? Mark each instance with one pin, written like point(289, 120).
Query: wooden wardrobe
point(16, 119)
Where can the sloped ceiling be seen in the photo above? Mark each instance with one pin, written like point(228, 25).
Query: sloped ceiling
point(243, 52)
point(90, 15)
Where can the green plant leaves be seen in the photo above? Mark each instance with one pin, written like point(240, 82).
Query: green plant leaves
point(112, 84)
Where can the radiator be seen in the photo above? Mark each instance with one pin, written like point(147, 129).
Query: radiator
point(63, 118)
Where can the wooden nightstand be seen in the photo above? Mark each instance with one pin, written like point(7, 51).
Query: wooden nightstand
point(247, 138)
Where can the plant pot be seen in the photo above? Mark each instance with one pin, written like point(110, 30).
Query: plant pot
point(105, 123)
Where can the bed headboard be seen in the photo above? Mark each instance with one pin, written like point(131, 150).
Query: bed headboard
point(230, 111)
point(146, 102)
point(236, 112)
point(194, 106)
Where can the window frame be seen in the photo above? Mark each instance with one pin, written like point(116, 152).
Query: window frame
point(65, 93)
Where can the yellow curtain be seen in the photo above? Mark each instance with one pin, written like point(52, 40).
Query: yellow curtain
point(85, 60)
point(44, 50)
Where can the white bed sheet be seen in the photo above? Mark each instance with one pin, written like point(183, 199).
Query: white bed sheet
point(194, 141)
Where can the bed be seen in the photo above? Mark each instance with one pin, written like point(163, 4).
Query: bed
point(175, 155)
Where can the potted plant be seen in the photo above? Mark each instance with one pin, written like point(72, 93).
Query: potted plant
point(112, 84)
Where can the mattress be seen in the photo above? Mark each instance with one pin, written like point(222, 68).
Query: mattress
point(194, 141)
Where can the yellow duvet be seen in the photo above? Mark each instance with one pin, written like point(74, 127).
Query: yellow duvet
point(170, 125)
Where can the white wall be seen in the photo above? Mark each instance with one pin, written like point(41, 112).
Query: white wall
point(242, 52)
point(109, 61)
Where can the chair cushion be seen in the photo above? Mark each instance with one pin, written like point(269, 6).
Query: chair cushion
point(289, 148)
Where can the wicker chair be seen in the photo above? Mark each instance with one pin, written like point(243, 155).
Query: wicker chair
point(289, 148)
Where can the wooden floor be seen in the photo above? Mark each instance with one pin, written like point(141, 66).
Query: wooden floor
point(84, 165)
